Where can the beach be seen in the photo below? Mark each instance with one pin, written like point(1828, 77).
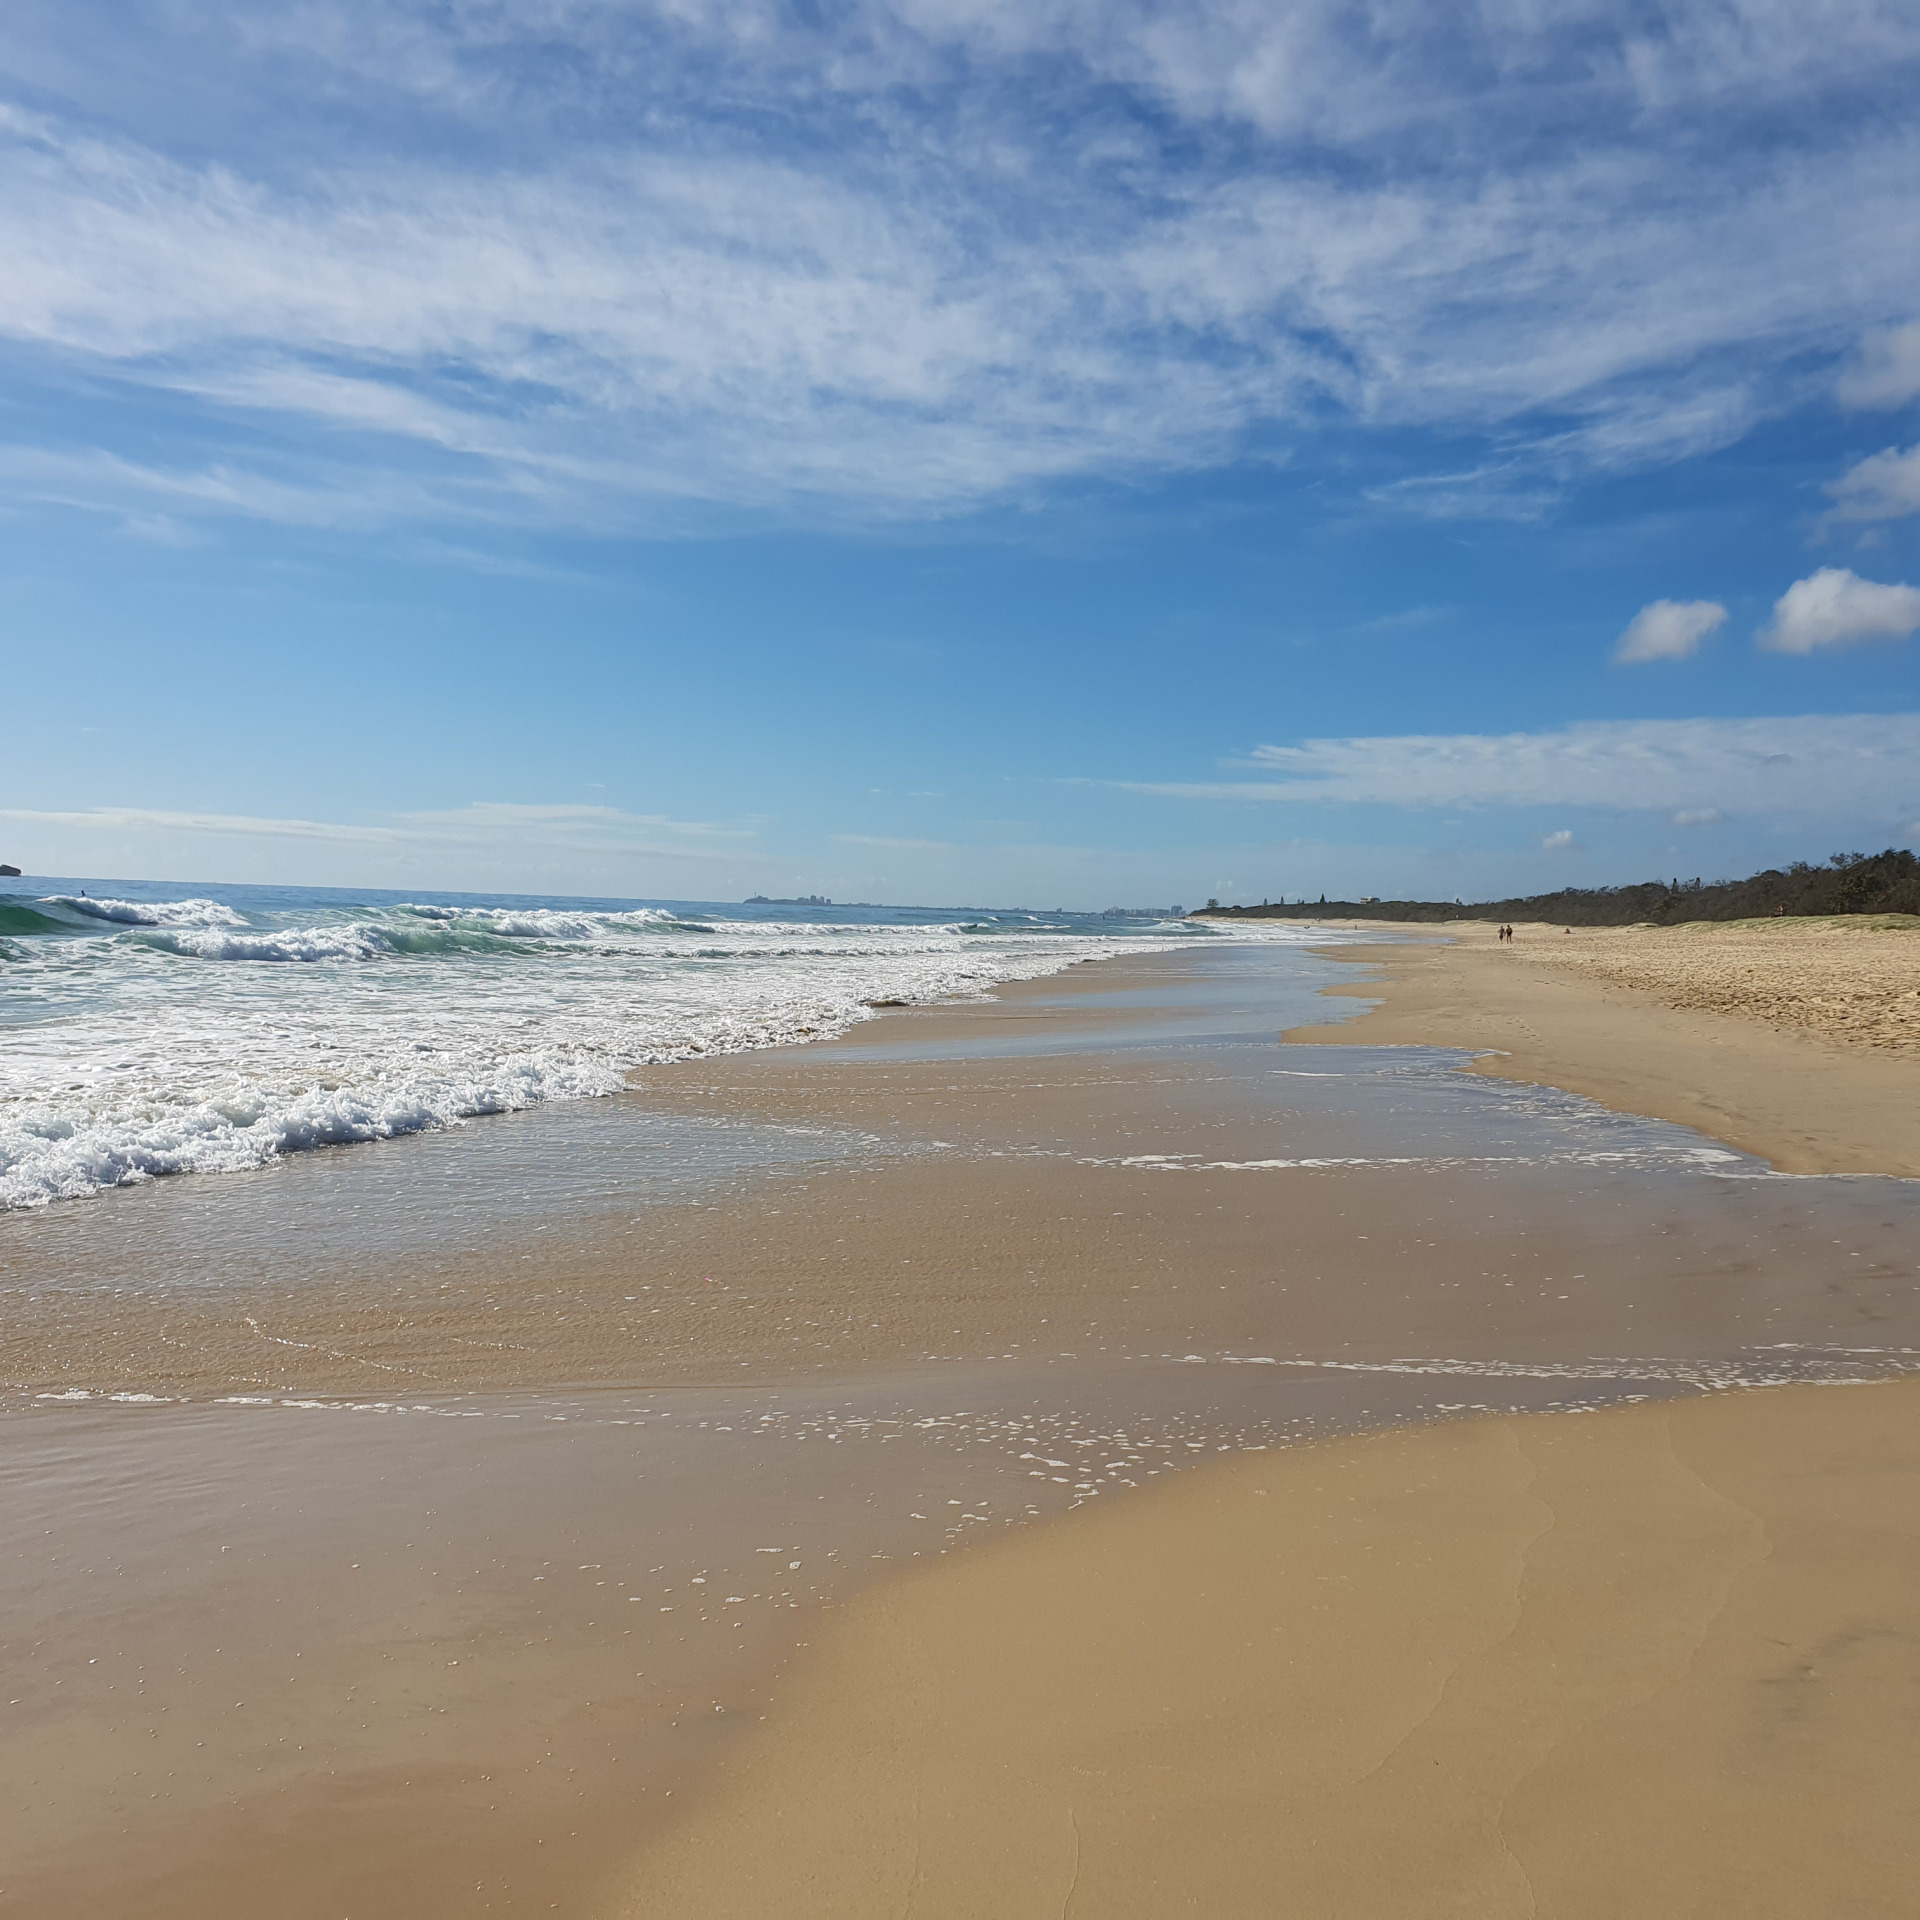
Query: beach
point(1649, 1659)
point(648, 1271)
point(1653, 1660)
point(1794, 1039)
point(1074, 1437)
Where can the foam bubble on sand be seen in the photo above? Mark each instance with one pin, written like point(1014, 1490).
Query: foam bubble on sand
point(1655, 1154)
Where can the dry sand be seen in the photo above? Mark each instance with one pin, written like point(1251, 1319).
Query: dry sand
point(1660, 1660)
point(1854, 979)
point(1797, 1040)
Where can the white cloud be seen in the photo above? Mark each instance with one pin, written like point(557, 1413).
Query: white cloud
point(1823, 766)
point(1698, 817)
point(1884, 486)
point(483, 826)
point(1669, 630)
point(1508, 491)
point(893, 845)
point(139, 819)
point(1559, 842)
point(745, 255)
point(1887, 371)
point(564, 817)
point(1835, 607)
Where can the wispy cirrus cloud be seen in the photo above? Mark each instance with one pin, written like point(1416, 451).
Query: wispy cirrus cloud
point(484, 826)
point(567, 817)
point(1886, 371)
point(602, 265)
point(1822, 766)
point(891, 844)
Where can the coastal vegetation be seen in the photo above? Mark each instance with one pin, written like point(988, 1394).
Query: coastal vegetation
point(1886, 882)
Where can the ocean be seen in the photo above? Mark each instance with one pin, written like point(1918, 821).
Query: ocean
point(153, 1028)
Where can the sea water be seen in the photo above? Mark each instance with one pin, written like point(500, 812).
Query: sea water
point(150, 1029)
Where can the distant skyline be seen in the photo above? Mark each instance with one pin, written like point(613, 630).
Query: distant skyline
point(1050, 453)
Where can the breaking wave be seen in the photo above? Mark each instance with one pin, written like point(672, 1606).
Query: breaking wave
point(151, 913)
point(149, 1037)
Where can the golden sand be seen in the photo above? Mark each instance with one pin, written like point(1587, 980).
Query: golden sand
point(1797, 1040)
point(1652, 1661)
point(1852, 979)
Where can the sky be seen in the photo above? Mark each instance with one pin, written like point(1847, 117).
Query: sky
point(923, 452)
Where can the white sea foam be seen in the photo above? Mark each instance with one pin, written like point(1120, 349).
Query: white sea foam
point(1671, 1152)
point(183, 1037)
point(297, 944)
point(537, 923)
point(543, 923)
point(151, 913)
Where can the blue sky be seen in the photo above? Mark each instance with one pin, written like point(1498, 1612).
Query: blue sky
point(1047, 453)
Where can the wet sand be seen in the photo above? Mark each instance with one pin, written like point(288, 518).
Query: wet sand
point(1117, 1162)
point(1796, 1040)
point(499, 1401)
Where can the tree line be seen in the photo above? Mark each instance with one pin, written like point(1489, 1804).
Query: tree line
point(1886, 882)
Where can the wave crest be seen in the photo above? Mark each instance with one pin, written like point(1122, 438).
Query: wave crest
point(139, 1062)
point(542, 923)
point(151, 913)
point(308, 944)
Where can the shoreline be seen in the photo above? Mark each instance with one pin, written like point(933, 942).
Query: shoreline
point(1717, 1040)
point(1115, 1228)
point(1040, 1141)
